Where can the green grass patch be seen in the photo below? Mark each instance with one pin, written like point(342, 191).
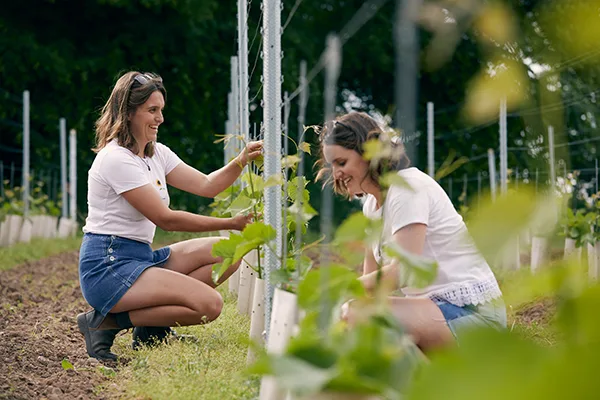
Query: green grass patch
point(38, 248)
point(213, 368)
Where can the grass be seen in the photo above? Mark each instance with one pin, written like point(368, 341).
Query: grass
point(210, 369)
point(213, 367)
point(531, 304)
point(535, 321)
point(39, 248)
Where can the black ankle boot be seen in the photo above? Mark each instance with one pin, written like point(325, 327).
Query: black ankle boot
point(151, 335)
point(99, 332)
point(99, 343)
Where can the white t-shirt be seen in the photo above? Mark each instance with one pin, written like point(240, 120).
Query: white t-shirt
point(463, 276)
point(116, 170)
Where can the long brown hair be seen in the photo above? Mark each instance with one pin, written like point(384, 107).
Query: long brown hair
point(131, 90)
point(352, 131)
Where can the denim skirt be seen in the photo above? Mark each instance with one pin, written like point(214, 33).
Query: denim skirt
point(489, 314)
point(109, 265)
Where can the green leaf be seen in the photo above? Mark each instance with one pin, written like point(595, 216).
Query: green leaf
point(341, 282)
point(66, 365)
point(253, 236)
point(259, 161)
point(289, 370)
point(449, 165)
point(497, 223)
point(305, 147)
point(351, 382)
point(291, 225)
point(259, 230)
point(496, 365)
point(305, 215)
point(299, 180)
point(218, 269)
point(224, 195)
point(373, 148)
point(226, 247)
point(237, 246)
point(414, 270)
point(246, 247)
point(290, 161)
point(274, 180)
point(574, 233)
point(293, 188)
point(107, 371)
point(241, 205)
point(357, 227)
point(393, 179)
point(305, 264)
point(280, 276)
point(313, 350)
point(254, 182)
point(353, 228)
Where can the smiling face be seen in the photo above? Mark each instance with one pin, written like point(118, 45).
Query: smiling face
point(146, 119)
point(348, 169)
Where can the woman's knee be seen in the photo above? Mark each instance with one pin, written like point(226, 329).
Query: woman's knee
point(209, 307)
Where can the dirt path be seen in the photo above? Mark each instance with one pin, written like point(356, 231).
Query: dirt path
point(38, 305)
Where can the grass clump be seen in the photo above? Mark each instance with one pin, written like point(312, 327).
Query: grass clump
point(212, 368)
point(37, 249)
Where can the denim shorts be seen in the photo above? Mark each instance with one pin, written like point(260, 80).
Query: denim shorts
point(490, 314)
point(109, 265)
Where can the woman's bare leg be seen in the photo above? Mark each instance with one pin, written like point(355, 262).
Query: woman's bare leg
point(181, 293)
point(422, 319)
point(160, 297)
point(193, 258)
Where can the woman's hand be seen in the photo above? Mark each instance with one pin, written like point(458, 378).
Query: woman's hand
point(250, 152)
point(239, 222)
point(389, 278)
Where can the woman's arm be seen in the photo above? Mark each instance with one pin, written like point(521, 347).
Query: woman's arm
point(146, 200)
point(370, 264)
point(189, 179)
point(412, 239)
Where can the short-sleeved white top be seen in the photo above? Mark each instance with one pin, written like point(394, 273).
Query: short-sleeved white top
point(116, 170)
point(464, 277)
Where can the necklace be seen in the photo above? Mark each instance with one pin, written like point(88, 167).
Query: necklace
point(145, 162)
point(380, 244)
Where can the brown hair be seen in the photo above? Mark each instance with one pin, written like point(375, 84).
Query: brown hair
point(131, 90)
point(352, 131)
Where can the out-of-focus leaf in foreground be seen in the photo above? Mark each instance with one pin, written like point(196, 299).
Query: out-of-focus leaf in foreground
point(497, 223)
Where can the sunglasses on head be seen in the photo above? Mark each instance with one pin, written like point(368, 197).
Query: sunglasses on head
point(331, 126)
point(143, 79)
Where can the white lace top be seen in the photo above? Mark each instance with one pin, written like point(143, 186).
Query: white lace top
point(463, 277)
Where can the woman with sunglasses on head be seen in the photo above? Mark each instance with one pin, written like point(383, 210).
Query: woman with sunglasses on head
point(127, 199)
point(421, 219)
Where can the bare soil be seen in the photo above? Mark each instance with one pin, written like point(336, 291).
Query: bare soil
point(38, 305)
